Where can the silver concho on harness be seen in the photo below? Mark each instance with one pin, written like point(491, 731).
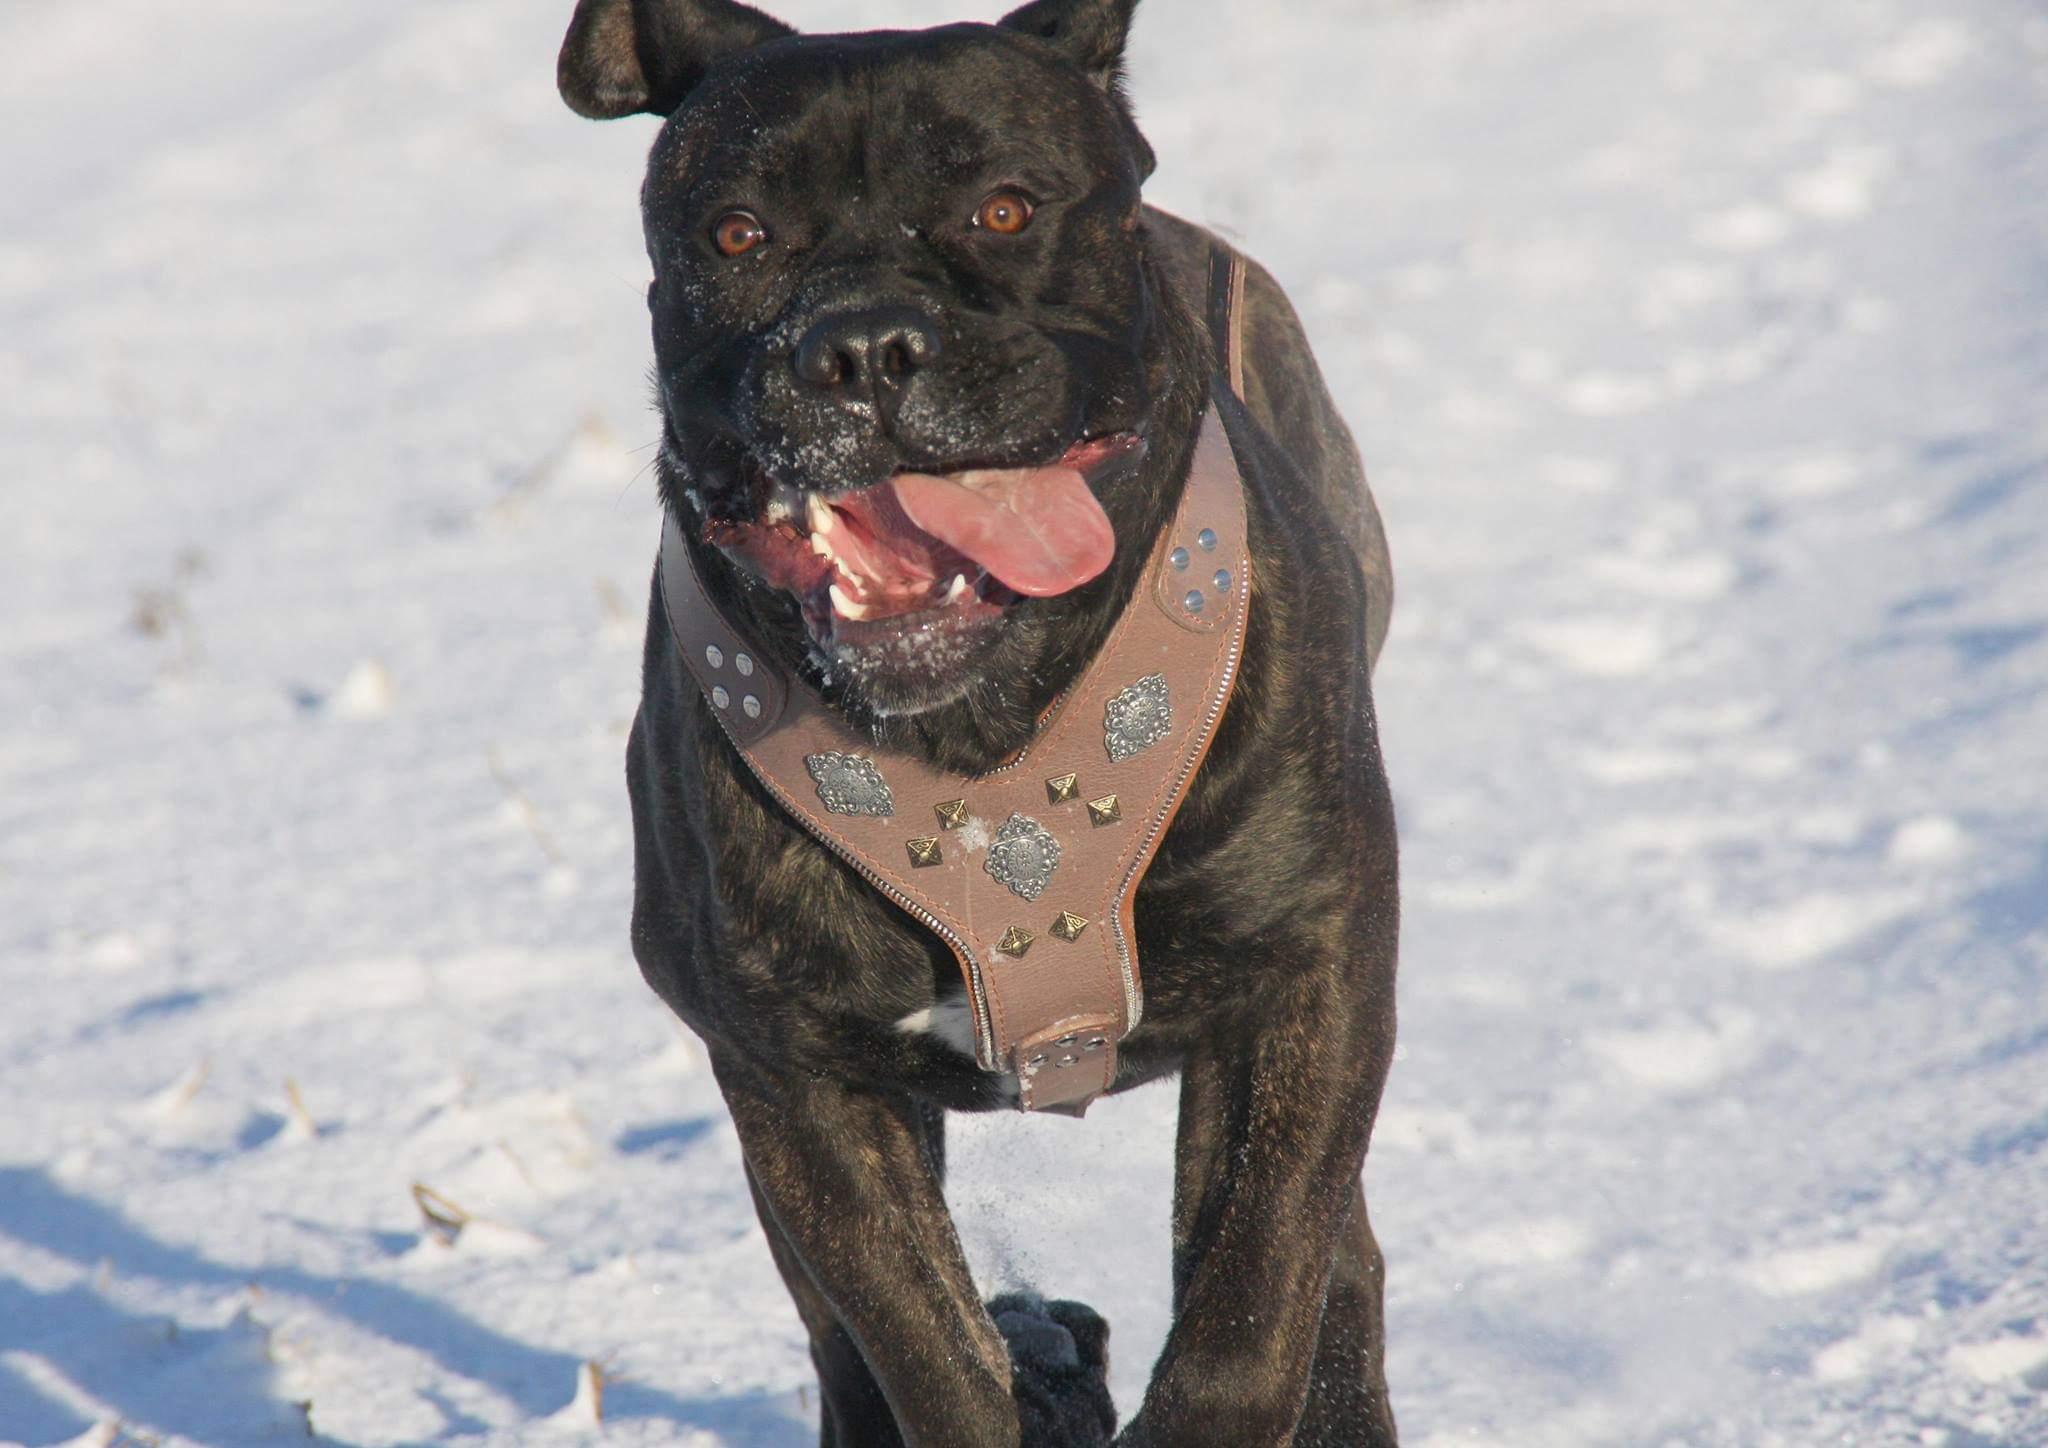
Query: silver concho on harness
point(850, 785)
point(1138, 718)
point(1023, 856)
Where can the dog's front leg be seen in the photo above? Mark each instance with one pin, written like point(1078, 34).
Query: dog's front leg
point(1275, 1117)
point(847, 1179)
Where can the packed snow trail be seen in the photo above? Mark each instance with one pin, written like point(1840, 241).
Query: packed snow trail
point(1698, 354)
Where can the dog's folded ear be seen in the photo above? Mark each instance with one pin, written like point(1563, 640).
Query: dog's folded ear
point(622, 57)
point(1091, 33)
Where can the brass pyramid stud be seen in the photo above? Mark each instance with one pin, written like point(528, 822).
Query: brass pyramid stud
point(1104, 811)
point(1016, 940)
point(924, 853)
point(1069, 926)
point(952, 813)
point(1064, 789)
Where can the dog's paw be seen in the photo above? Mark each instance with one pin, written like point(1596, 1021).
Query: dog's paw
point(1059, 1355)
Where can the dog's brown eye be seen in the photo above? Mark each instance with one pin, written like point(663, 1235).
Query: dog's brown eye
point(1006, 213)
point(738, 232)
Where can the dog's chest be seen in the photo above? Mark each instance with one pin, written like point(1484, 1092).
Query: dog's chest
point(1027, 874)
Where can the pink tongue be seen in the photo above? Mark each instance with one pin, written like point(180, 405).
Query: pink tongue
point(1039, 530)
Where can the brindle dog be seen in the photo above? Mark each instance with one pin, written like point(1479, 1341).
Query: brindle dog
point(926, 252)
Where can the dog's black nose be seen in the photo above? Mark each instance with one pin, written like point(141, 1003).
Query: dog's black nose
point(868, 351)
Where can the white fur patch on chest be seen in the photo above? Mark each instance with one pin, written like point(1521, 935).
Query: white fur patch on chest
point(949, 1019)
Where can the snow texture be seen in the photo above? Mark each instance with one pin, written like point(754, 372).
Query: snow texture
point(1699, 353)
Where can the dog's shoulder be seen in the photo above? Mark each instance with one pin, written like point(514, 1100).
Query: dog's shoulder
point(1286, 395)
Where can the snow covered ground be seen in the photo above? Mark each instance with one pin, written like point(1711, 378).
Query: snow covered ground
point(1700, 354)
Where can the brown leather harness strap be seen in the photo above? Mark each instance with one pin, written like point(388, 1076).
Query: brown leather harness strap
point(1226, 313)
point(1028, 873)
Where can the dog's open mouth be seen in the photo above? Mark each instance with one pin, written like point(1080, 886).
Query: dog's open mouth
point(924, 550)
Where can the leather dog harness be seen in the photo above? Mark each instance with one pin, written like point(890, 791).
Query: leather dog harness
point(1028, 873)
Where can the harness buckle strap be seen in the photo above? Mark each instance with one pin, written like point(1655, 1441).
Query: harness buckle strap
point(1067, 1065)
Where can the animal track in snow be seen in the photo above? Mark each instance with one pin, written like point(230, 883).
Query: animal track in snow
point(1927, 840)
point(1627, 765)
point(1684, 578)
point(1855, 1356)
point(1924, 53)
point(1803, 930)
point(1517, 883)
point(2003, 1359)
point(1717, 719)
point(1612, 394)
point(1842, 187)
point(1680, 1055)
point(1606, 646)
point(1817, 475)
point(1824, 93)
point(1533, 1243)
point(1751, 226)
point(1427, 1129)
point(1672, 294)
point(1795, 1271)
point(1579, 474)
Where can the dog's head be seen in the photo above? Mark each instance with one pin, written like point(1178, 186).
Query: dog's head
point(905, 351)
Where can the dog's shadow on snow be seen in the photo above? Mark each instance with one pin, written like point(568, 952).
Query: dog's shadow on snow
point(95, 1344)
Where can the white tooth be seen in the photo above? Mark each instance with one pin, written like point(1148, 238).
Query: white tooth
point(957, 589)
point(818, 513)
point(839, 567)
point(846, 607)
